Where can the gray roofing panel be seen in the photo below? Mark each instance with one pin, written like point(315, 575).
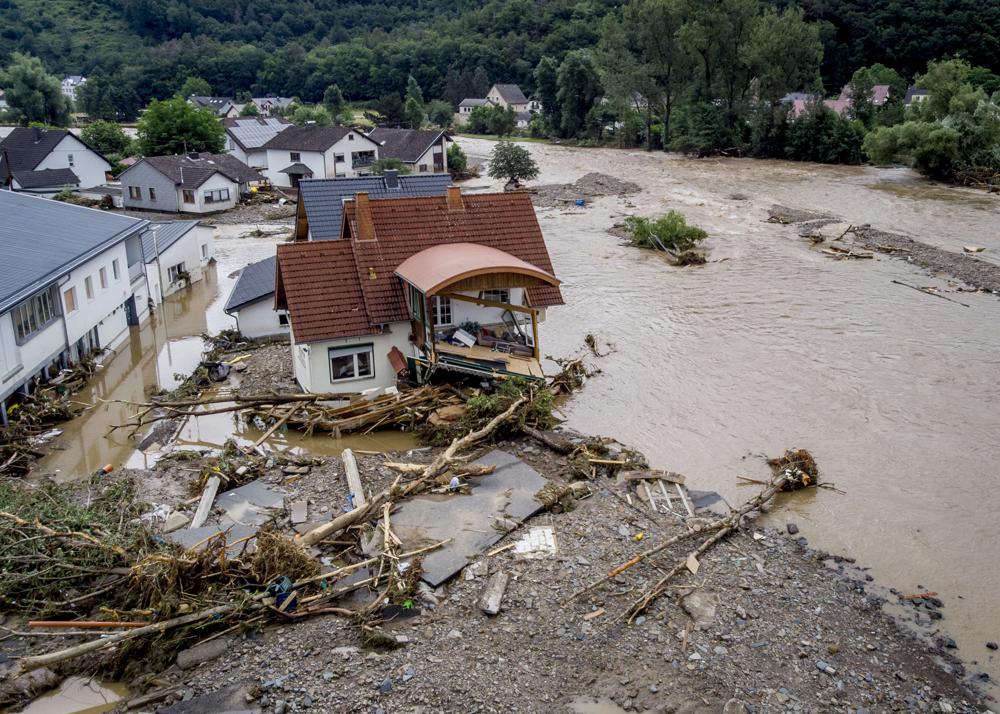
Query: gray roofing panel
point(46, 178)
point(407, 145)
point(41, 239)
point(255, 282)
point(254, 132)
point(323, 199)
point(167, 233)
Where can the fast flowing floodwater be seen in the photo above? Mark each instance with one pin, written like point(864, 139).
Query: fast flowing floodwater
point(896, 393)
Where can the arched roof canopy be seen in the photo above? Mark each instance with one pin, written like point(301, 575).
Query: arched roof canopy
point(469, 266)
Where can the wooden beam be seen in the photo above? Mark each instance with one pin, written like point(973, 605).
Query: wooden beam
point(354, 484)
point(487, 303)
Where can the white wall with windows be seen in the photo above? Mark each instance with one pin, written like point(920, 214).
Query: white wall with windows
point(351, 364)
point(190, 254)
point(101, 308)
point(218, 193)
point(460, 311)
point(73, 154)
point(260, 319)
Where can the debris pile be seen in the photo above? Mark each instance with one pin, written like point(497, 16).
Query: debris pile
point(585, 189)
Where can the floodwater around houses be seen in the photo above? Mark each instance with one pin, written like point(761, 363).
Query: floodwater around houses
point(772, 346)
point(896, 393)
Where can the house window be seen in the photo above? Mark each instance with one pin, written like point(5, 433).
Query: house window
point(496, 295)
point(69, 157)
point(442, 311)
point(88, 287)
point(219, 195)
point(152, 193)
point(175, 272)
point(115, 270)
point(188, 195)
point(350, 137)
point(351, 363)
point(33, 315)
point(416, 307)
point(338, 157)
point(204, 251)
point(104, 278)
point(135, 192)
point(283, 319)
point(69, 298)
point(295, 156)
point(423, 168)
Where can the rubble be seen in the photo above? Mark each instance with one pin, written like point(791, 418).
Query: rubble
point(586, 188)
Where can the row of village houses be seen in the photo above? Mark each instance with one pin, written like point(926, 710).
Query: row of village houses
point(259, 149)
point(389, 277)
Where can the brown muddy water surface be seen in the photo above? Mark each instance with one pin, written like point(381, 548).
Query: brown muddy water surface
point(896, 393)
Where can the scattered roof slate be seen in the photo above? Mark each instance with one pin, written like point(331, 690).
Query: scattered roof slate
point(407, 145)
point(352, 289)
point(46, 178)
point(323, 199)
point(256, 282)
point(42, 239)
point(311, 137)
point(511, 93)
point(167, 233)
point(192, 170)
point(254, 132)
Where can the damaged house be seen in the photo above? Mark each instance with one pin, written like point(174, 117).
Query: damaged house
point(415, 286)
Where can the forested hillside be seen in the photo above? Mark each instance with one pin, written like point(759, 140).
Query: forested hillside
point(141, 49)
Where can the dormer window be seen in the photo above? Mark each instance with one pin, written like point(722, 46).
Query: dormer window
point(350, 137)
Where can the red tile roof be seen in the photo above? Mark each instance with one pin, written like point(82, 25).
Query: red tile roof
point(348, 287)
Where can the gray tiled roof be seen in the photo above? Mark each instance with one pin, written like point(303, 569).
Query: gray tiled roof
point(217, 104)
point(42, 239)
point(192, 170)
point(407, 145)
point(167, 233)
point(256, 281)
point(511, 93)
point(472, 102)
point(46, 178)
point(297, 169)
point(254, 132)
point(310, 137)
point(28, 146)
point(323, 199)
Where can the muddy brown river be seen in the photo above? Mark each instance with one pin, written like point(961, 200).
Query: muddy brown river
point(896, 393)
point(772, 345)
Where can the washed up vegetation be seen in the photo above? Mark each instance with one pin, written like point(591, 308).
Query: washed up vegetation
point(669, 234)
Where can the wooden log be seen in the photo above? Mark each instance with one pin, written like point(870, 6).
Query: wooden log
point(491, 597)
point(560, 446)
point(205, 505)
point(85, 624)
point(354, 484)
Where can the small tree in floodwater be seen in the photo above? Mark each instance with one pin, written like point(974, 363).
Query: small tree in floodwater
point(512, 162)
point(670, 232)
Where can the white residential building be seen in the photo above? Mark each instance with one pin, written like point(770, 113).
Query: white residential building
point(48, 161)
point(176, 254)
point(311, 151)
point(190, 183)
point(246, 136)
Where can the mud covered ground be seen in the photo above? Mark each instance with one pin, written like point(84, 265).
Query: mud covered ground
point(766, 624)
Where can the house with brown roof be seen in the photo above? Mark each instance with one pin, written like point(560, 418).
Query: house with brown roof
point(423, 151)
point(188, 183)
point(417, 286)
point(311, 151)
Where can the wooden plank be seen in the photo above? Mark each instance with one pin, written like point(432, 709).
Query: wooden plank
point(668, 476)
point(354, 478)
point(592, 615)
point(492, 595)
point(205, 505)
point(685, 499)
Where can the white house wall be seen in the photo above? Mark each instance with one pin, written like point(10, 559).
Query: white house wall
point(260, 319)
point(278, 159)
point(186, 250)
point(312, 366)
point(87, 165)
point(106, 304)
point(216, 182)
point(22, 362)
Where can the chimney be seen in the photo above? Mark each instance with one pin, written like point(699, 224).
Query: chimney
point(36, 134)
point(455, 202)
point(363, 217)
point(391, 178)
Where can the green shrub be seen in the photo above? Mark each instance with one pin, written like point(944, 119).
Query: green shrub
point(669, 232)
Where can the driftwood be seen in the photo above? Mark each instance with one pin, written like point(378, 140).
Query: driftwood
point(254, 604)
point(928, 291)
point(436, 467)
point(560, 446)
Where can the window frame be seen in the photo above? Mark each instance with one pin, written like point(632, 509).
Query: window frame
point(295, 156)
point(33, 315)
point(210, 195)
point(441, 305)
point(152, 193)
point(135, 193)
point(69, 159)
point(88, 287)
point(204, 251)
point(416, 304)
point(116, 269)
point(485, 295)
point(174, 271)
point(355, 350)
point(188, 195)
point(103, 277)
point(70, 301)
point(283, 319)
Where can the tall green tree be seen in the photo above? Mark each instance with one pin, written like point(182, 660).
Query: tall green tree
point(195, 87)
point(333, 100)
point(315, 114)
point(579, 88)
point(109, 97)
point(413, 105)
point(861, 86)
point(107, 137)
point(546, 91)
point(440, 113)
point(512, 162)
point(32, 93)
point(174, 126)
